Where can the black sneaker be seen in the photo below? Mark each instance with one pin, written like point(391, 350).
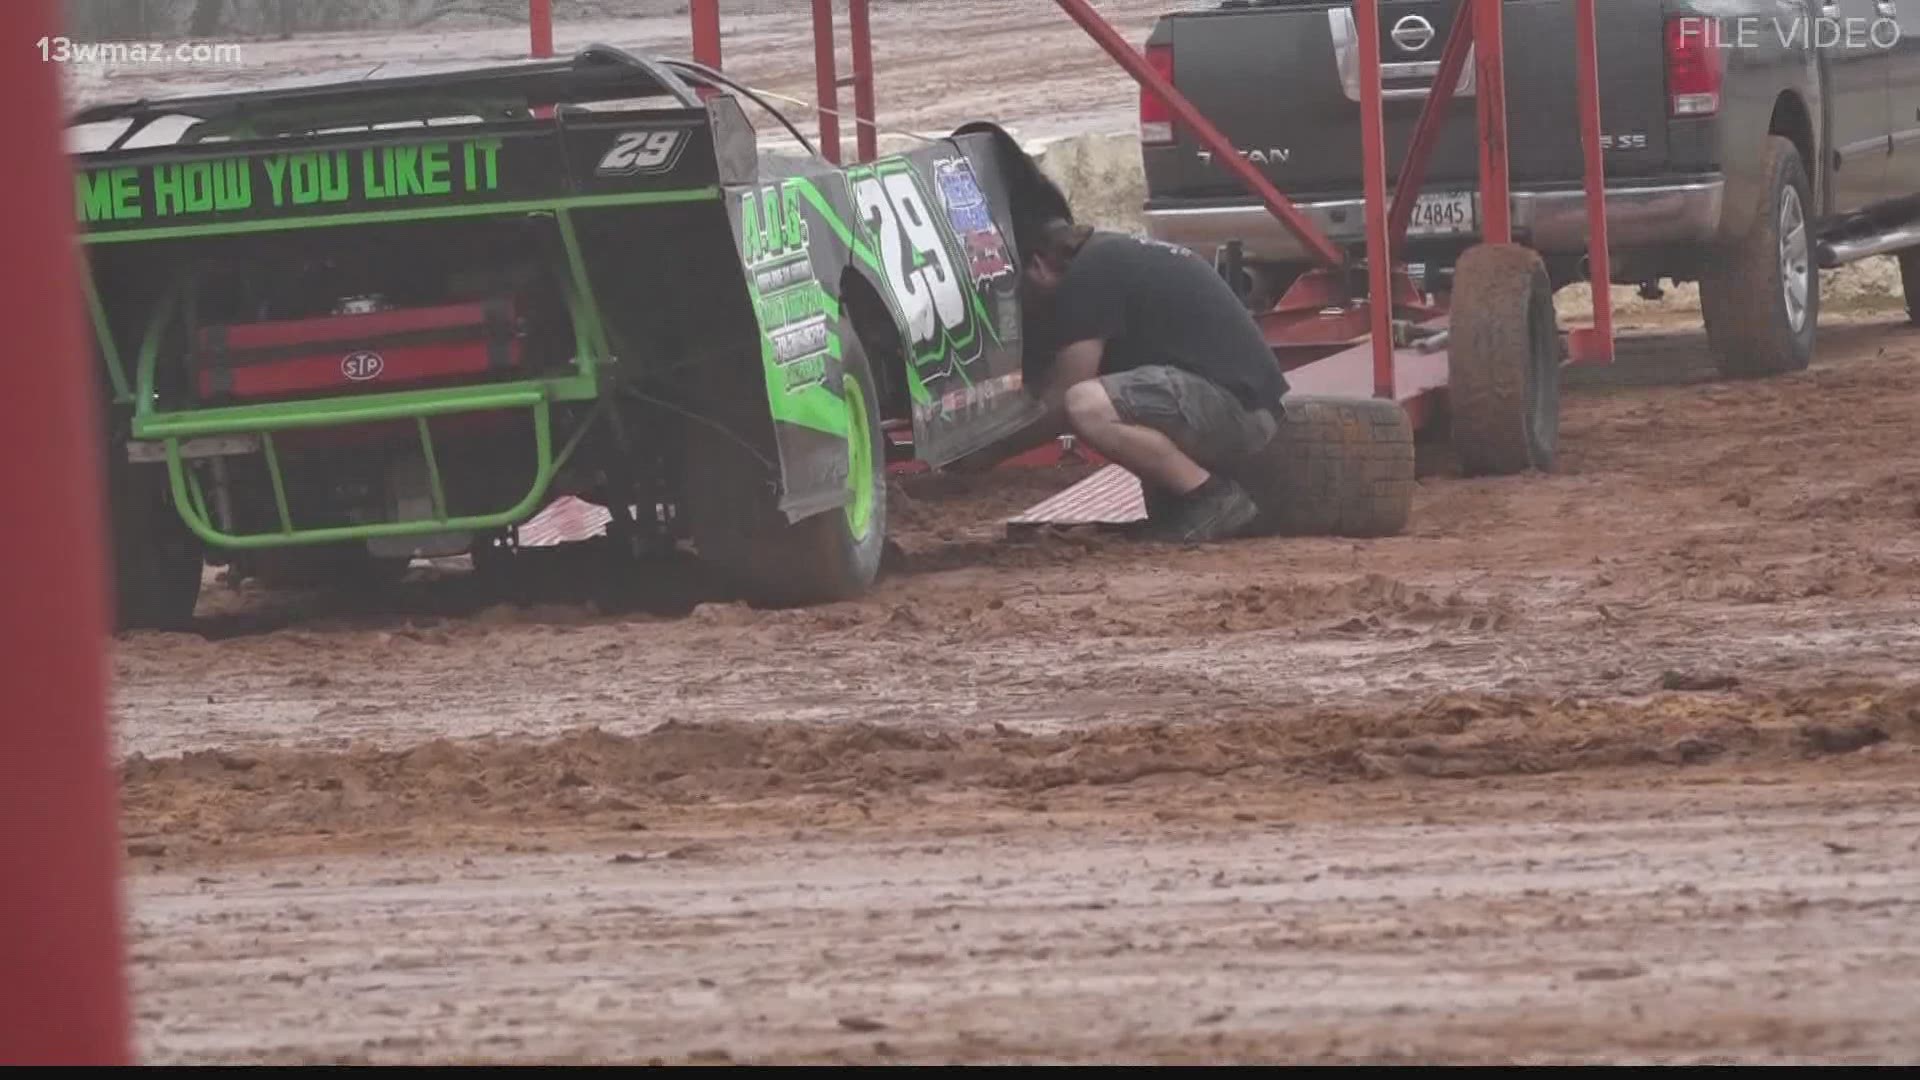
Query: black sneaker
point(1203, 516)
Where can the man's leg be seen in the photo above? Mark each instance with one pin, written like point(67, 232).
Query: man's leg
point(1169, 427)
point(1143, 451)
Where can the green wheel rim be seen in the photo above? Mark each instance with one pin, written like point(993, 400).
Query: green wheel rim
point(859, 462)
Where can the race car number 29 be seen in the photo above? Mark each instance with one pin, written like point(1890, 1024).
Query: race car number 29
point(913, 255)
point(642, 152)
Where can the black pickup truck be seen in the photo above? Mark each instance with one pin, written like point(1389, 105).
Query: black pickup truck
point(1749, 144)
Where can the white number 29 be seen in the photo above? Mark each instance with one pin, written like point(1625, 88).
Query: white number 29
point(912, 255)
point(637, 152)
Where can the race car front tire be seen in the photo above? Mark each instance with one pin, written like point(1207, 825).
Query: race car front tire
point(737, 524)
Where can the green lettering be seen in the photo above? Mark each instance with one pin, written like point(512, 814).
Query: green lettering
point(305, 172)
point(791, 203)
point(93, 194)
point(491, 148)
point(770, 222)
point(406, 170)
point(277, 176)
point(333, 177)
point(126, 192)
point(369, 183)
point(233, 185)
point(433, 169)
point(749, 230)
point(166, 191)
point(197, 178)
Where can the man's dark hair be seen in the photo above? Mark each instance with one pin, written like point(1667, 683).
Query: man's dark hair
point(1059, 242)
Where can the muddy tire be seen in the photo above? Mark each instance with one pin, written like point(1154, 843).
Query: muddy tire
point(1503, 367)
point(1761, 294)
point(157, 560)
point(736, 523)
point(1337, 467)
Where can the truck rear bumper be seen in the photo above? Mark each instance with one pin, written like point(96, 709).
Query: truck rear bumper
point(1552, 222)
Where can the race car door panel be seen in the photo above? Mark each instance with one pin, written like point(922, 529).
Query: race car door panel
point(937, 224)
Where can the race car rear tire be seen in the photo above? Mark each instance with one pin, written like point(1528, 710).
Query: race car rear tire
point(737, 524)
point(157, 560)
point(1336, 467)
point(1503, 362)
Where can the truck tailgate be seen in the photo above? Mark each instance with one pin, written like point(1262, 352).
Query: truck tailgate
point(1281, 82)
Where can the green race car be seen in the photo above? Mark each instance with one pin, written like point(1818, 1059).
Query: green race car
point(351, 323)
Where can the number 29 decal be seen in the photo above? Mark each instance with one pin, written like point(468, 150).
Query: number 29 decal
point(914, 256)
point(643, 153)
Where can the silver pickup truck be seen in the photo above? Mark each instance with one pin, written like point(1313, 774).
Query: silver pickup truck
point(1749, 144)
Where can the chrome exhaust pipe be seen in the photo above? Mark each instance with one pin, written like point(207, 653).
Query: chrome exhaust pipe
point(1837, 253)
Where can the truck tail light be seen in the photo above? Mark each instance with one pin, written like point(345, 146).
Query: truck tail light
point(1156, 119)
point(1694, 65)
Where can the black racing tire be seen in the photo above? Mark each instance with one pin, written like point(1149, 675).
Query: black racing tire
point(1336, 467)
point(1503, 362)
point(1910, 283)
point(157, 559)
point(736, 523)
point(1760, 293)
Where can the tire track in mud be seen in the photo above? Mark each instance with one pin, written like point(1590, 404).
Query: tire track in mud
point(225, 799)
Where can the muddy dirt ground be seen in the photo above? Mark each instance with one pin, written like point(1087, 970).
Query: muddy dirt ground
point(1611, 764)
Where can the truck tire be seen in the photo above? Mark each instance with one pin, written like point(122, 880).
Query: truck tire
point(1760, 296)
point(1910, 283)
point(1336, 467)
point(1503, 362)
point(736, 522)
point(157, 560)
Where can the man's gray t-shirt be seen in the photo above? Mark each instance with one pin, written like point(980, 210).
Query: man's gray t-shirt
point(1155, 303)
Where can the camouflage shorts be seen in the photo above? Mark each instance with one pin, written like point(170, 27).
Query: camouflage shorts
point(1203, 419)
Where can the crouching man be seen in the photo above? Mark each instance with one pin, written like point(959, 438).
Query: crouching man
point(1154, 362)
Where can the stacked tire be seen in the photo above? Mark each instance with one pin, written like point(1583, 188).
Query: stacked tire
point(1336, 467)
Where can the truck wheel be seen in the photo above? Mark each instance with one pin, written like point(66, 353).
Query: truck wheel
point(1761, 296)
point(1503, 362)
point(736, 522)
point(1337, 467)
point(1910, 283)
point(157, 559)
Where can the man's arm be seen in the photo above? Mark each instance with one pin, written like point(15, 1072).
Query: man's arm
point(1074, 364)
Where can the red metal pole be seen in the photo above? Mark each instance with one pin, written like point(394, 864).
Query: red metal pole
point(63, 999)
point(1309, 234)
point(1598, 346)
point(1373, 154)
point(867, 139)
point(1496, 206)
point(706, 32)
point(540, 27)
point(1433, 117)
point(826, 79)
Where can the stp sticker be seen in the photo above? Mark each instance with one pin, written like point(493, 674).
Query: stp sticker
point(362, 366)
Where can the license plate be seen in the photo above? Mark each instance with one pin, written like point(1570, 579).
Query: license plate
point(1443, 213)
